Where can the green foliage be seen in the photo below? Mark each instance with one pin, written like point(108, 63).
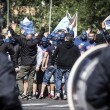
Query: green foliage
point(90, 12)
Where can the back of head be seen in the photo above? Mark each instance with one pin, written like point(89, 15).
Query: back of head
point(68, 37)
point(100, 39)
point(29, 36)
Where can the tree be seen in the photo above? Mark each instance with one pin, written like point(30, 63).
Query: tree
point(90, 12)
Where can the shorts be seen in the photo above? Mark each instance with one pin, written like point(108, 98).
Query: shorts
point(35, 77)
point(49, 74)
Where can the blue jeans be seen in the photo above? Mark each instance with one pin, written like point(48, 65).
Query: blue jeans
point(48, 73)
point(59, 75)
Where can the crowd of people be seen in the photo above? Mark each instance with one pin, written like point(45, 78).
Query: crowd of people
point(43, 61)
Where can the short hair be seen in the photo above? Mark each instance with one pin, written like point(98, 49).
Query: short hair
point(100, 39)
point(92, 34)
point(68, 37)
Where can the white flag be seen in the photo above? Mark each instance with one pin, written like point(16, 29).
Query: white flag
point(67, 22)
point(73, 24)
point(107, 22)
point(63, 25)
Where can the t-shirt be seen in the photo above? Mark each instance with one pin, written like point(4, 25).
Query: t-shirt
point(40, 54)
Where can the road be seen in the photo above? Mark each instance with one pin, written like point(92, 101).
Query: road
point(45, 104)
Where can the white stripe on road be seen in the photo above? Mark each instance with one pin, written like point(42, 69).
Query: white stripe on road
point(33, 104)
point(41, 104)
point(59, 106)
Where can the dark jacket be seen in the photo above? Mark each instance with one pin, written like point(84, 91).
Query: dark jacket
point(98, 84)
point(7, 47)
point(66, 55)
point(8, 96)
point(28, 49)
point(100, 39)
point(16, 57)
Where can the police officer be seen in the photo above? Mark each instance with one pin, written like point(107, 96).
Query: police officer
point(8, 96)
point(98, 84)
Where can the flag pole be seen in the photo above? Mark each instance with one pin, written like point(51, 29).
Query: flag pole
point(50, 16)
point(7, 12)
point(76, 21)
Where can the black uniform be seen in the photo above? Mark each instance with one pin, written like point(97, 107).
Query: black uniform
point(98, 84)
point(16, 57)
point(8, 95)
point(7, 47)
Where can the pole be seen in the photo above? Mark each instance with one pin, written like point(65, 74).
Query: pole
point(76, 21)
point(0, 22)
point(7, 12)
point(1, 13)
point(50, 16)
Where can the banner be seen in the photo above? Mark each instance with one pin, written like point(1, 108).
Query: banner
point(27, 26)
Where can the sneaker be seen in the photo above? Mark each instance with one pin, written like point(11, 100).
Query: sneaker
point(37, 95)
point(50, 96)
point(24, 97)
point(29, 97)
point(41, 97)
point(56, 97)
point(20, 96)
point(65, 97)
point(34, 97)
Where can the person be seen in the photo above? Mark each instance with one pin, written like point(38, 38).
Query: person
point(66, 55)
point(8, 95)
point(100, 39)
point(84, 40)
point(90, 43)
point(6, 47)
point(41, 51)
point(28, 59)
point(98, 84)
point(48, 72)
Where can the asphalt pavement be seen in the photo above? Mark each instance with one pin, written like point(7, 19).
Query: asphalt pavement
point(44, 104)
